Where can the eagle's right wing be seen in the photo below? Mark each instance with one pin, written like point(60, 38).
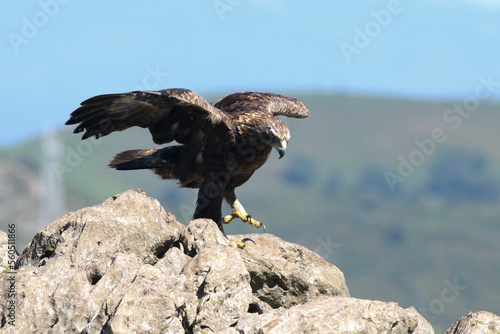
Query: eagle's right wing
point(268, 103)
point(169, 114)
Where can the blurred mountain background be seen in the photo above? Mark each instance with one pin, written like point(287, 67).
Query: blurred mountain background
point(394, 177)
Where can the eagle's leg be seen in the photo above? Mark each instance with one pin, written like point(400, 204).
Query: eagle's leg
point(238, 211)
point(209, 202)
point(209, 205)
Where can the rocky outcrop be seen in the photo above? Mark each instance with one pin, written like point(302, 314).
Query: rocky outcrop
point(337, 315)
point(127, 266)
point(476, 323)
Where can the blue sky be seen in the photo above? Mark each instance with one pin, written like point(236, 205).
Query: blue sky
point(56, 53)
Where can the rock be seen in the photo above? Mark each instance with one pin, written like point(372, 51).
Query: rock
point(127, 266)
point(337, 315)
point(285, 274)
point(218, 286)
point(476, 323)
point(129, 222)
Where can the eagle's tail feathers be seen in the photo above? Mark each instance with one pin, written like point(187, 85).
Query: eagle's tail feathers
point(162, 161)
point(136, 159)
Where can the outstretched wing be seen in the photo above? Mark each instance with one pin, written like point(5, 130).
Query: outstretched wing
point(169, 114)
point(273, 104)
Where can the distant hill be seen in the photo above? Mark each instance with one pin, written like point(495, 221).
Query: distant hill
point(401, 195)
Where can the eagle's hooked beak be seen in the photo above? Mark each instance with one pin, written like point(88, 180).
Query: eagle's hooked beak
point(281, 148)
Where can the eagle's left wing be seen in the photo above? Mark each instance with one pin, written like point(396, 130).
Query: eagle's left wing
point(169, 114)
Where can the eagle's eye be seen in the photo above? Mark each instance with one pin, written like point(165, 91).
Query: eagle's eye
point(272, 132)
point(269, 136)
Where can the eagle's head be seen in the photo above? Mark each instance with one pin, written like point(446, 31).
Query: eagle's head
point(277, 135)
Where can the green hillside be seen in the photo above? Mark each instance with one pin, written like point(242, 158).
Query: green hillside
point(437, 225)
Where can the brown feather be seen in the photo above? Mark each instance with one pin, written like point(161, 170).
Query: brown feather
point(220, 145)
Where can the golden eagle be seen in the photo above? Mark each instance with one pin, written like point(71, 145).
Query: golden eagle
point(219, 147)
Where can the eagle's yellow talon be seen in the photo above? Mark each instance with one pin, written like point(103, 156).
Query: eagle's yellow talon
point(239, 244)
point(244, 217)
point(227, 219)
point(254, 222)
